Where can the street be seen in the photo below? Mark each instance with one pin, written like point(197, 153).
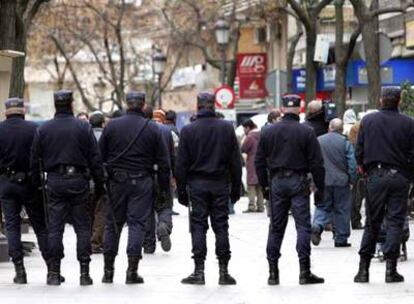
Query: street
point(163, 271)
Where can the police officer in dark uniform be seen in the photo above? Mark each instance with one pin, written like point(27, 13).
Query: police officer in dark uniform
point(131, 146)
point(209, 164)
point(385, 152)
point(16, 189)
point(68, 151)
point(289, 151)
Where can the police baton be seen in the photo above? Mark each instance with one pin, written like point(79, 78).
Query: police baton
point(44, 196)
point(108, 199)
point(270, 206)
point(190, 211)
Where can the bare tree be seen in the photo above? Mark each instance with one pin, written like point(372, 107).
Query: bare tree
point(368, 20)
point(308, 11)
point(291, 53)
point(343, 53)
point(191, 23)
point(16, 17)
point(105, 36)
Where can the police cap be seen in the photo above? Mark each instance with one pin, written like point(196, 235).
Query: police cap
point(63, 98)
point(206, 100)
point(291, 101)
point(391, 95)
point(14, 106)
point(135, 99)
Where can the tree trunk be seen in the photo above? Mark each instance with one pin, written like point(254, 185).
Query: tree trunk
point(231, 73)
point(291, 55)
point(340, 59)
point(311, 66)
point(370, 38)
point(340, 87)
point(17, 76)
point(7, 24)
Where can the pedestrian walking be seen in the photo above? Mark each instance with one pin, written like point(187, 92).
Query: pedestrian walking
point(349, 120)
point(66, 150)
point(385, 153)
point(209, 167)
point(316, 118)
point(359, 188)
point(160, 224)
point(97, 122)
point(249, 147)
point(340, 167)
point(17, 191)
point(131, 146)
point(288, 151)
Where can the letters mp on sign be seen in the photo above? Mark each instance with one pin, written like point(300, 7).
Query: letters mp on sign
point(252, 72)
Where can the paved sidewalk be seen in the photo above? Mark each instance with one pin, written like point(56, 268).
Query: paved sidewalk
point(163, 271)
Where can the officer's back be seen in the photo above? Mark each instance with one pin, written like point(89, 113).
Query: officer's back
point(212, 146)
point(68, 140)
point(289, 145)
point(68, 151)
point(209, 166)
point(16, 137)
point(386, 137)
point(385, 150)
point(143, 154)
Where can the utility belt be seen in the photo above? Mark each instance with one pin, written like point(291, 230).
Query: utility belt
point(68, 170)
point(284, 173)
point(122, 176)
point(383, 169)
point(15, 176)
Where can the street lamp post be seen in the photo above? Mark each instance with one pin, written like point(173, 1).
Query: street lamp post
point(222, 29)
point(158, 61)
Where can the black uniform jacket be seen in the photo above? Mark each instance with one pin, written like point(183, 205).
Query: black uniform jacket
point(208, 149)
point(386, 137)
point(66, 141)
point(289, 145)
point(148, 150)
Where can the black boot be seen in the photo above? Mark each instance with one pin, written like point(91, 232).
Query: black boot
point(306, 276)
point(109, 269)
point(391, 274)
point(225, 278)
point(363, 273)
point(197, 277)
point(273, 274)
point(53, 274)
point(62, 278)
point(85, 278)
point(21, 277)
point(163, 234)
point(132, 276)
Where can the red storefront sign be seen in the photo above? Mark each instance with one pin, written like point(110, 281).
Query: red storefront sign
point(252, 73)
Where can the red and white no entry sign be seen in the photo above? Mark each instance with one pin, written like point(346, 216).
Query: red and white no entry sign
point(225, 97)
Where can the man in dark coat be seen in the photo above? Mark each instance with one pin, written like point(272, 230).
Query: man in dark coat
point(209, 164)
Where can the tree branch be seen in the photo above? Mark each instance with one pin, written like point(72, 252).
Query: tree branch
point(78, 84)
point(31, 10)
point(321, 5)
point(352, 42)
point(300, 12)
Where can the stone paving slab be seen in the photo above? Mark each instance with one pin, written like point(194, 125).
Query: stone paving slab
point(163, 271)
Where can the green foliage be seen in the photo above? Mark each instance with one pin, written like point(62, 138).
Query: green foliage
point(407, 99)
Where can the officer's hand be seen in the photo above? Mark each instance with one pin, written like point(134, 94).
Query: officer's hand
point(360, 171)
point(235, 195)
point(173, 183)
point(183, 198)
point(318, 195)
point(266, 193)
